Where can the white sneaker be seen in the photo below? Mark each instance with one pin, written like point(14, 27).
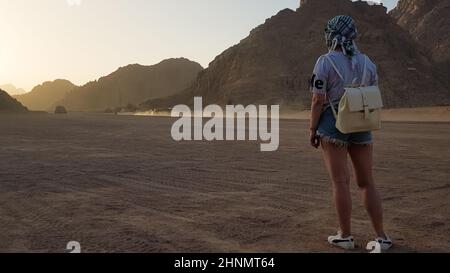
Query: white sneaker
point(385, 244)
point(345, 243)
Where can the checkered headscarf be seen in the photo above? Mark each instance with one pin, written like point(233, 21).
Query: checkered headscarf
point(341, 30)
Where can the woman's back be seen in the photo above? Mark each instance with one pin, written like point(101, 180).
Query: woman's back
point(326, 80)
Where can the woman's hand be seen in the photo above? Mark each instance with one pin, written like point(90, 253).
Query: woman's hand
point(314, 138)
point(316, 112)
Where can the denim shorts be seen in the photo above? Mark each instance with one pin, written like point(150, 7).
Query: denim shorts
point(328, 132)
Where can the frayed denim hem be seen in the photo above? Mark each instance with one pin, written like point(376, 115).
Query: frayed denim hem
point(337, 142)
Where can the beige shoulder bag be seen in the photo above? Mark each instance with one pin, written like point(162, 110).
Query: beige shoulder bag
point(359, 108)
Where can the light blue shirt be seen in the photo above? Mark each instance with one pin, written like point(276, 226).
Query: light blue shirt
point(326, 81)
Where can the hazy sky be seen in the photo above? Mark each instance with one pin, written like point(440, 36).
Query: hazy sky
point(81, 40)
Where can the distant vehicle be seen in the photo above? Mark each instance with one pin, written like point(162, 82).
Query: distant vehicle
point(60, 110)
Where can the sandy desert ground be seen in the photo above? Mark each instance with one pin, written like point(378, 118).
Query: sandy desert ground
point(121, 184)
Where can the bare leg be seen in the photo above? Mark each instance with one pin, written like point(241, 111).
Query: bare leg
point(336, 162)
point(362, 158)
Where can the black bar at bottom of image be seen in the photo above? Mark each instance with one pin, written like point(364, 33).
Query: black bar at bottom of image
point(187, 263)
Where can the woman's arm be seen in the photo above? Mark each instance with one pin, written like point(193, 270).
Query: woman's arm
point(319, 84)
point(317, 104)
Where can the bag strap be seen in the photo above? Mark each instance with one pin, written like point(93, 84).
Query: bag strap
point(342, 78)
point(335, 67)
point(364, 71)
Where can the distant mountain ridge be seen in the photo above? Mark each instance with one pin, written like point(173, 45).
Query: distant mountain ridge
point(45, 96)
point(9, 104)
point(12, 90)
point(274, 63)
point(133, 84)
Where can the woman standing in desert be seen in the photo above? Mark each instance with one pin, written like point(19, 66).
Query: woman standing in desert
point(343, 66)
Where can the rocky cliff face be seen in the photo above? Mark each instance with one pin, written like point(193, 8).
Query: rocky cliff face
point(274, 63)
point(428, 21)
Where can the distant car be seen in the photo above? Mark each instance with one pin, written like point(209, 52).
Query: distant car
point(61, 110)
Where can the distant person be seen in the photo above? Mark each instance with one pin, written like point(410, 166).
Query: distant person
point(327, 86)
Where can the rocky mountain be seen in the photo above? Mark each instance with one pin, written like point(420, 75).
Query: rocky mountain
point(133, 84)
point(274, 63)
point(428, 21)
point(44, 96)
point(9, 104)
point(12, 90)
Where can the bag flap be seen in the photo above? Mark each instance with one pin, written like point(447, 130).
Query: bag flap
point(357, 98)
